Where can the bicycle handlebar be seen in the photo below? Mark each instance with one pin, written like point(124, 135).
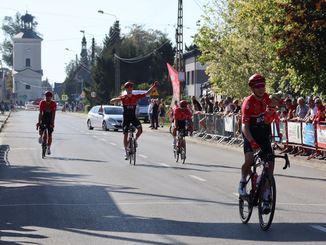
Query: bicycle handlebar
point(263, 156)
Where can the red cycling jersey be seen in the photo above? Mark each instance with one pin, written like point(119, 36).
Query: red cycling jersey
point(182, 114)
point(48, 106)
point(129, 102)
point(253, 110)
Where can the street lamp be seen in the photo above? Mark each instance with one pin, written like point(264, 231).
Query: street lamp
point(102, 12)
point(116, 61)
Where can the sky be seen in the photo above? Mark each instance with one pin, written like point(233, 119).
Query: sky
point(60, 23)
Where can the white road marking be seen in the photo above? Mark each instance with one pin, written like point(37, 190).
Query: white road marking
point(112, 143)
point(143, 156)
point(236, 194)
point(103, 140)
point(22, 148)
point(164, 164)
point(319, 227)
point(197, 178)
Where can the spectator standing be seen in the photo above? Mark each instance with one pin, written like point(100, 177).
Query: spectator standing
point(155, 115)
point(150, 112)
point(196, 105)
point(301, 110)
point(162, 112)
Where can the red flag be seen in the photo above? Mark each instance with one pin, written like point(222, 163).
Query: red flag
point(174, 75)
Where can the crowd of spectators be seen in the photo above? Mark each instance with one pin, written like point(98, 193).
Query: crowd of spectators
point(307, 110)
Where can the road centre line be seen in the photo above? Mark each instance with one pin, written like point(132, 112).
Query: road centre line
point(143, 156)
point(197, 178)
point(164, 164)
point(319, 227)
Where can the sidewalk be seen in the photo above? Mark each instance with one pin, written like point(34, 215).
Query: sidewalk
point(298, 160)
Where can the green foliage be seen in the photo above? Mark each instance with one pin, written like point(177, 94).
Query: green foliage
point(284, 40)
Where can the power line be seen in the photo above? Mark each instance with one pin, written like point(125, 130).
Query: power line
point(140, 58)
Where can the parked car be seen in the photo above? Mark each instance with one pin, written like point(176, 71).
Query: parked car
point(106, 117)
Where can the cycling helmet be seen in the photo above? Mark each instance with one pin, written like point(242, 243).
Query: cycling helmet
point(128, 84)
point(183, 103)
point(48, 94)
point(256, 80)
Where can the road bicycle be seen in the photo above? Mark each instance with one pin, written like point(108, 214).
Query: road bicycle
point(132, 145)
point(179, 149)
point(256, 185)
point(44, 138)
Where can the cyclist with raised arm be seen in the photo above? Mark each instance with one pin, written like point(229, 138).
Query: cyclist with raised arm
point(182, 117)
point(256, 132)
point(46, 118)
point(129, 102)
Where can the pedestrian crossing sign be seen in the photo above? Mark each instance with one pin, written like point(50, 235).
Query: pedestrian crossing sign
point(154, 92)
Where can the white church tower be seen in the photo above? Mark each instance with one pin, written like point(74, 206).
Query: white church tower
point(27, 67)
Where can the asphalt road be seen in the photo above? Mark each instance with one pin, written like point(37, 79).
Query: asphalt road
point(86, 193)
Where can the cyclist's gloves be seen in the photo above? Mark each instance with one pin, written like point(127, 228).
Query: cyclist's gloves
point(254, 145)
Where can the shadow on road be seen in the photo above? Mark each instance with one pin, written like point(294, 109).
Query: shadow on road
point(53, 200)
point(74, 159)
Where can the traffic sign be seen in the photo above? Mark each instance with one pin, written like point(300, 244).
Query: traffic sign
point(154, 92)
point(64, 97)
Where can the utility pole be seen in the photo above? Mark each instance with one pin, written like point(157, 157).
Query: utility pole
point(179, 42)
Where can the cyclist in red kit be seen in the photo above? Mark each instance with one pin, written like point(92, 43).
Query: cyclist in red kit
point(256, 132)
point(182, 118)
point(46, 118)
point(129, 103)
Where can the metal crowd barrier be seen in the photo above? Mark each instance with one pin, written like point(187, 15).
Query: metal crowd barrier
point(227, 129)
point(217, 127)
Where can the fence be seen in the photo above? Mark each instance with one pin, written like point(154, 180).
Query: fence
point(227, 129)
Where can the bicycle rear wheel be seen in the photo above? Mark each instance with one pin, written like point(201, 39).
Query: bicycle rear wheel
point(131, 151)
point(246, 204)
point(266, 219)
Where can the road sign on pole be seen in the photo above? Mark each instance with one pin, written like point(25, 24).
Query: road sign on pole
point(64, 97)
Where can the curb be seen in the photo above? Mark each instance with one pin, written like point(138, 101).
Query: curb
point(5, 121)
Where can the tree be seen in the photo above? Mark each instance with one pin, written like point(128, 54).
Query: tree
point(284, 40)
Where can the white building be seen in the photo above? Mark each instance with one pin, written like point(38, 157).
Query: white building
point(196, 77)
point(27, 67)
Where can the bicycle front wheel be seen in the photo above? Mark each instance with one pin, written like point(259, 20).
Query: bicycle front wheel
point(266, 215)
point(246, 204)
point(43, 150)
point(134, 151)
point(183, 151)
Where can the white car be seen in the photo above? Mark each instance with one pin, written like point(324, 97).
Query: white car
point(106, 117)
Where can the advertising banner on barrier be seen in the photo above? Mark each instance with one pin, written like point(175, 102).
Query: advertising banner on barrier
point(308, 133)
point(283, 131)
point(294, 132)
point(321, 135)
point(228, 124)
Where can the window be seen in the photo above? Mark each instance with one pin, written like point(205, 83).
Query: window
point(27, 87)
point(188, 77)
point(28, 62)
point(192, 77)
